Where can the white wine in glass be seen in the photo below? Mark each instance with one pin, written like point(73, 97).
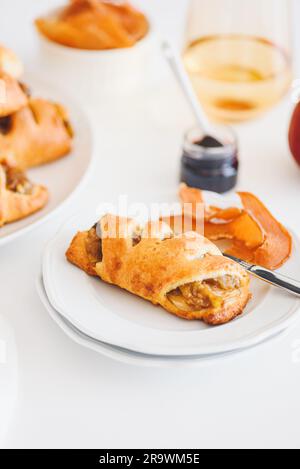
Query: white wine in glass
point(240, 71)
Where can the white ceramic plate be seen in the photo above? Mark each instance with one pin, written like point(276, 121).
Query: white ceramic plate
point(63, 177)
point(113, 316)
point(133, 358)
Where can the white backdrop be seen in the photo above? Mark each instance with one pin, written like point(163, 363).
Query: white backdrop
point(69, 396)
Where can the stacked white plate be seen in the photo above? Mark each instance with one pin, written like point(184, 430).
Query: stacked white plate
point(125, 327)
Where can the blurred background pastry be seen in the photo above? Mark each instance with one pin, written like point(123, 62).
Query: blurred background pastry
point(94, 24)
point(19, 197)
point(38, 133)
point(10, 63)
point(32, 131)
point(12, 95)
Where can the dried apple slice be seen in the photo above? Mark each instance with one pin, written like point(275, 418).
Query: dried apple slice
point(244, 228)
point(256, 235)
point(189, 195)
point(277, 246)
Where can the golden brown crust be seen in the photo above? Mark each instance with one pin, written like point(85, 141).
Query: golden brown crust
point(10, 63)
point(77, 254)
point(155, 266)
point(15, 205)
point(12, 96)
point(38, 134)
point(229, 312)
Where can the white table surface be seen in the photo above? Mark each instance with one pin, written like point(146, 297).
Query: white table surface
point(53, 393)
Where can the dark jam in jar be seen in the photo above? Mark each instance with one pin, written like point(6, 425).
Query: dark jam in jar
point(210, 164)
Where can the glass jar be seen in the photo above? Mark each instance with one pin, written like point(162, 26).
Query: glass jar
point(238, 55)
point(210, 168)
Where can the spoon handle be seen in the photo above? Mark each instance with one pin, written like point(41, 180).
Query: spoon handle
point(179, 72)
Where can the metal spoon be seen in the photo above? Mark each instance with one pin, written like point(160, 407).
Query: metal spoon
point(178, 69)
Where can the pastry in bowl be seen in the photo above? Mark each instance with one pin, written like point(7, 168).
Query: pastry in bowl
point(38, 133)
point(12, 94)
point(186, 275)
point(94, 25)
point(19, 197)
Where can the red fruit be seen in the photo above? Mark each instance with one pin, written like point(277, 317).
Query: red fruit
point(294, 134)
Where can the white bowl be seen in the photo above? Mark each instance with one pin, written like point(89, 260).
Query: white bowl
point(91, 74)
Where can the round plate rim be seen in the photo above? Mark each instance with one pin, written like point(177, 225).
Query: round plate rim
point(44, 218)
point(131, 358)
point(140, 346)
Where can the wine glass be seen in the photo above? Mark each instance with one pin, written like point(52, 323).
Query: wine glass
point(238, 55)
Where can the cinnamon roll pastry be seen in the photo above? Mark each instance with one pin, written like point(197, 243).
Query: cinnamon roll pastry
point(19, 197)
point(38, 133)
point(12, 95)
point(186, 275)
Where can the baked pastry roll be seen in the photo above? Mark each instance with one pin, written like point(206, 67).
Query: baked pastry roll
point(94, 25)
point(12, 95)
point(19, 198)
point(10, 63)
point(37, 134)
point(186, 275)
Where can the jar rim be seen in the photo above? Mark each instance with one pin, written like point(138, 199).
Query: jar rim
point(198, 152)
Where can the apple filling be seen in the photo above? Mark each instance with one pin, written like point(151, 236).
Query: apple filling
point(93, 246)
point(5, 125)
point(16, 181)
point(210, 293)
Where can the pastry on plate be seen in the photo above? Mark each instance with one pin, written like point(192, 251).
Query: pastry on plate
point(10, 63)
point(38, 133)
point(255, 235)
point(12, 95)
point(186, 275)
point(94, 25)
point(19, 198)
